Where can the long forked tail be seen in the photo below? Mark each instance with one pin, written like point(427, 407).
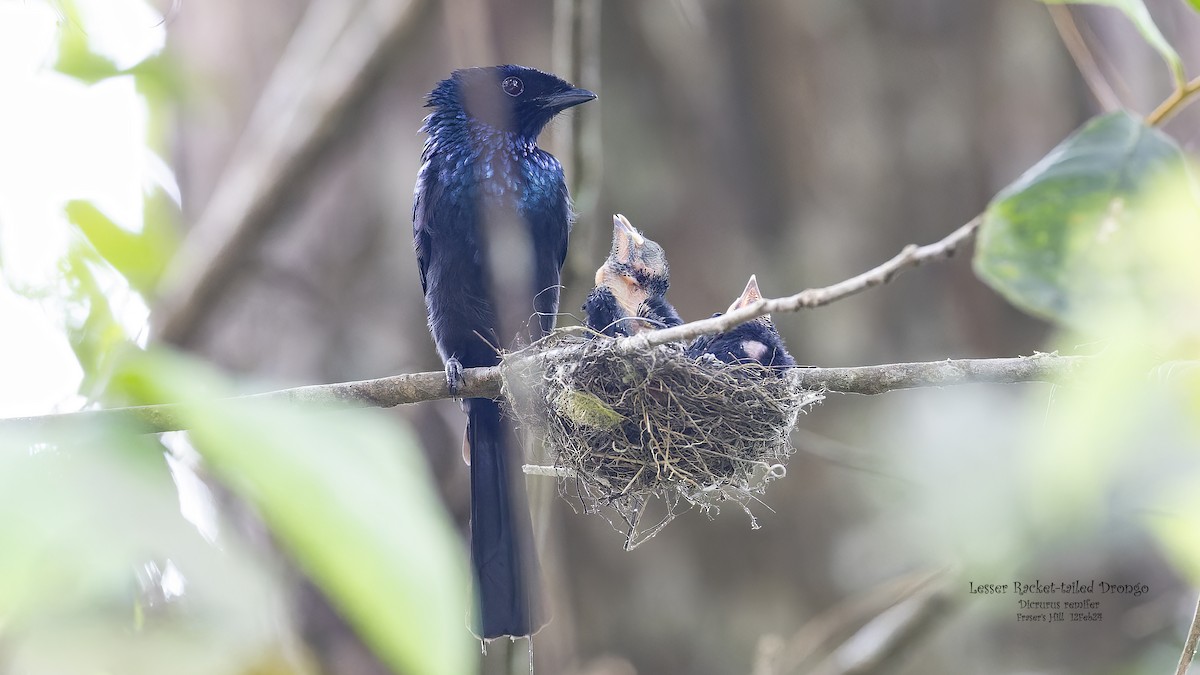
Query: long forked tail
point(503, 554)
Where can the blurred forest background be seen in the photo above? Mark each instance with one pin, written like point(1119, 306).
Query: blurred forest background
point(801, 141)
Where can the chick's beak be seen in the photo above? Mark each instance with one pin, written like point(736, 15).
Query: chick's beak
point(625, 239)
point(621, 222)
point(749, 296)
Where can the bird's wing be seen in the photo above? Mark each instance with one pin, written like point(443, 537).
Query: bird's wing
point(657, 308)
point(602, 314)
point(550, 225)
point(422, 243)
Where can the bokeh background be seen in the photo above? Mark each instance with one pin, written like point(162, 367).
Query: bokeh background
point(801, 141)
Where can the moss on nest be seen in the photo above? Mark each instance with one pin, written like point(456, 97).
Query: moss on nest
point(632, 430)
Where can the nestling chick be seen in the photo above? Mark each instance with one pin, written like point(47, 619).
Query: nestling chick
point(631, 286)
point(754, 341)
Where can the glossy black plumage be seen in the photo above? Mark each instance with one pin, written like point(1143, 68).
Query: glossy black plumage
point(483, 177)
point(756, 341)
point(631, 286)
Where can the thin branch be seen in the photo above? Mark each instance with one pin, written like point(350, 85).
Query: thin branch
point(911, 256)
point(895, 630)
point(383, 392)
point(1177, 101)
point(276, 158)
point(822, 635)
point(547, 471)
point(386, 392)
point(1189, 648)
point(1077, 47)
point(871, 380)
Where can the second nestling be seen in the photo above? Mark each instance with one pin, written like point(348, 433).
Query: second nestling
point(756, 341)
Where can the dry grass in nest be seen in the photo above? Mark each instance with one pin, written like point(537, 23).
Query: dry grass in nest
point(631, 432)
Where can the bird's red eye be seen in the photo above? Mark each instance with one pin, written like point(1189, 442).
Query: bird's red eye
point(513, 86)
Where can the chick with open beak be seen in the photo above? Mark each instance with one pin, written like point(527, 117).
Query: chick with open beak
point(756, 341)
point(631, 286)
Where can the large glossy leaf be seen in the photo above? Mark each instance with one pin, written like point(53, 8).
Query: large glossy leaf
point(1140, 16)
point(1072, 240)
point(348, 494)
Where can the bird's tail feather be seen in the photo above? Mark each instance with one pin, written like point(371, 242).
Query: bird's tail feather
point(503, 554)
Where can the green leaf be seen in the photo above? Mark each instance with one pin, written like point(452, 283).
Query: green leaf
point(139, 257)
point(92, 327)
point(1175, 522)
point(1140, 16)
point(161, 81)
point(1073, 239)
point(348, 494)
point(102, 574)
point(1195, 4)
point(75, 56)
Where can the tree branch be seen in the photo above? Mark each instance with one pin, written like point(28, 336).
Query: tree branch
point(283, 142)
point(862, 631)
point(1077, 47)
point(1189, 648)
point(485, 382)
point(396, 390)
point(871, 380)
point(1178, 100)
point(911, 256)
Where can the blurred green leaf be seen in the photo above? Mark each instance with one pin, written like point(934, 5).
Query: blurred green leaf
point(349, 496)
point(1081, 450)
point(75, 56)
point(92, 328)
point(1070, 237)
point(1125, 430)
point(1195, 4)
point(1101, 236)
point(100, 573)
point(1176, 522)
point(159, 80)
point(1140, 16)
point(139, 257)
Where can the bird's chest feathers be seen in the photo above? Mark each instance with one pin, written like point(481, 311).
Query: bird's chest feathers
point(500, 173)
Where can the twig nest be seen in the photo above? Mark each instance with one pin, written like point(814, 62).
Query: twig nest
point(628, 431)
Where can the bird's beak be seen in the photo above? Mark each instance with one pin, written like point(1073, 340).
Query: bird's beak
point(625, 239)
point(567, 99)
point(749, 296)
point(622, 225)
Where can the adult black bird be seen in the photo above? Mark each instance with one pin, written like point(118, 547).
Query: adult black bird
point(756, 341)
point(485, 180)
point(631, 286)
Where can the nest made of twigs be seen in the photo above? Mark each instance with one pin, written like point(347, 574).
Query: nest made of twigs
point(627, 430)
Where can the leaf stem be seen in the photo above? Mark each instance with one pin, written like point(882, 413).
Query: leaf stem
point(1178, 100)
